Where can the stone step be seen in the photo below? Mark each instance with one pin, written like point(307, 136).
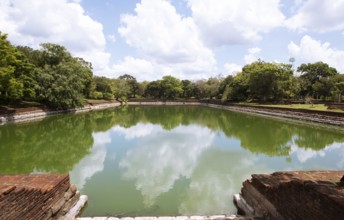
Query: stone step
point(214, 217)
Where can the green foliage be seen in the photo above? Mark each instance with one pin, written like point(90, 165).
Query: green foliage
point(15, 72)
point(338, 89)
point(97, 95)
point(188, 89)
point(52, 76)
point(101, 85)
point(121, 88)
point(132, 84)
point(171, 87)
point(153, 90)
point(200, 91)
point(63, 79)
point(268, 81)
point(211, 87)
point(315, 79)
point(206, 88)
point(108, 96)
point(224, 83)
point(167, 88)
point(225, 94)
point(238, 89)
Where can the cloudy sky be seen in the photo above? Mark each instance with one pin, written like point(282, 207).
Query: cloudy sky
point(191, 39)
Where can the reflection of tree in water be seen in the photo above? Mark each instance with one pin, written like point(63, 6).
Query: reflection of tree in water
point(52, 145)
point(169, 117)
point(56, 144)
point(257, 134)
point(315, 138)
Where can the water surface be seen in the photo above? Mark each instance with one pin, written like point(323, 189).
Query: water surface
point(165, 160)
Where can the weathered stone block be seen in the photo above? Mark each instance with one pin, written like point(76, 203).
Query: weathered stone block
point(296, 195)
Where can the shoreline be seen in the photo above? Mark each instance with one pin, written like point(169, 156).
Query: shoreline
point(39, 114)
point(324, 118)
point(319, 117)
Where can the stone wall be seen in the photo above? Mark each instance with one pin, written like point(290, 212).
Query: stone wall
point(37, 196)
point(296, 195)
point(27, 116)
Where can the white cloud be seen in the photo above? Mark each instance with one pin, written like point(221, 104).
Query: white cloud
point(252, 55)
point(145, 69)
point(311, 50)
point(56, 21)
point(232, 68)
point(111, 38)
point(140, 68)
point(318, 15)
point(166, 39)
point(236, 21)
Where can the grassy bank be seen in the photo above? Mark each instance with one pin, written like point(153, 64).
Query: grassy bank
point(315, 107)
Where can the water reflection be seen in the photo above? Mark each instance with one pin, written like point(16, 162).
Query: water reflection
point(164, 157)
point(165, 160)
point(92, 163)
point(257, 134)
point(215, 181)
point(52, 145)
point(305, 154)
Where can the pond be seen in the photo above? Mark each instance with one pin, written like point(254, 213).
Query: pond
point(165, 160)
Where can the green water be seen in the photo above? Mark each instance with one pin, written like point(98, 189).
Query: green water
point(165, 160)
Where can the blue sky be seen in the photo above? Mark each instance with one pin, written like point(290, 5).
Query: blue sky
point(191, 39)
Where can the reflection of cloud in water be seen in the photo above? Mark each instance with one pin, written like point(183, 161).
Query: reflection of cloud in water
point(164, 157)
point(92, 163)
point(305, 154)
point(138, 131)
point(340, 163)
point(215, 181)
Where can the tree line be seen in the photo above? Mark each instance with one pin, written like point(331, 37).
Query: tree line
point(52, 76)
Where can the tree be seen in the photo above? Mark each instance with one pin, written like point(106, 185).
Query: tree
point(238, 89)
point(153, 90)
point(338, 88)
point(16, 78)
point(171, 87)
point(224, 83)
point(313, 78)
point(268, 81)
point(200, 89)
point(211, 87)
point(121, 89)
point(188, 88)
point(142, 87)
point(102, 88)
point(62, 78)
point(132, 83)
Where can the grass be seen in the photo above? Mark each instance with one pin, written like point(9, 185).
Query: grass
point(317, 107)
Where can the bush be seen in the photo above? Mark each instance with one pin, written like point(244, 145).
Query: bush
point(97, 95)
point(108, 96)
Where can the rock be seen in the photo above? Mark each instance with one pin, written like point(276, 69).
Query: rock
point(70, 192)
point(296, 195)
point(36, 196)
point(73, 212)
